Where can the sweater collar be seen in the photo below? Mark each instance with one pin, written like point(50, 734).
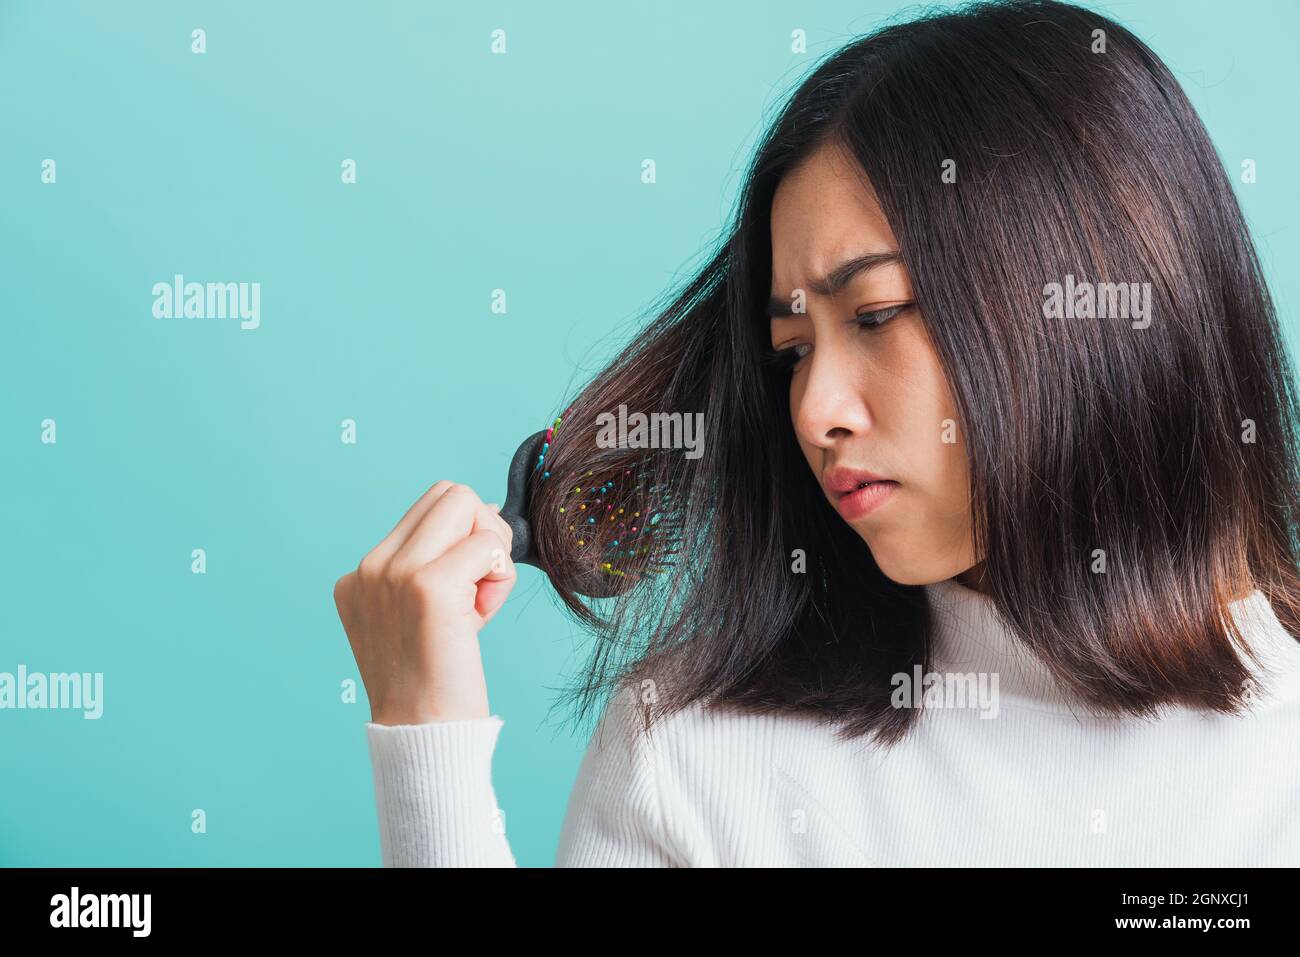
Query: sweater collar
point(972, 636)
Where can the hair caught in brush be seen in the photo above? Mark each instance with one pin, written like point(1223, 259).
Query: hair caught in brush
point(606, 519)
point(710, 608)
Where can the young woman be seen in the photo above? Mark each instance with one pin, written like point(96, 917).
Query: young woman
point(991, 555)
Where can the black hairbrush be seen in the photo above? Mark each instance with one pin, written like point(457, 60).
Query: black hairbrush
point(515, 510)
point(604, 580)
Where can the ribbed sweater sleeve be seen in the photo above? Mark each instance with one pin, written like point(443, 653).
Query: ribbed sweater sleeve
point(434, 796)
point(437, 807)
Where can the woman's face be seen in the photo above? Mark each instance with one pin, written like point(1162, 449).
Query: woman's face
point(867, 393)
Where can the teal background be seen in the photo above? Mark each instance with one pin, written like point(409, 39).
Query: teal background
point(475, 172)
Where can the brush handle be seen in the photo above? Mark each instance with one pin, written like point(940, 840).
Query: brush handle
point(515, 509)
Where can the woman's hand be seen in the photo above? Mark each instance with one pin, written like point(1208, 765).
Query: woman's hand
point(413, 608)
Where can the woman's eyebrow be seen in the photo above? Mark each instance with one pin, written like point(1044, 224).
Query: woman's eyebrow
point(834, 281)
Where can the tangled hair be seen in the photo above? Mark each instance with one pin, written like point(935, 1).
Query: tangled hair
point(1080, 434)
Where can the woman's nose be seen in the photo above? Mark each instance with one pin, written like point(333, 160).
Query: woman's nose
point(831, 401)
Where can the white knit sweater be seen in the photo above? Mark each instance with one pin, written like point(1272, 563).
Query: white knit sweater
point(1024, 777)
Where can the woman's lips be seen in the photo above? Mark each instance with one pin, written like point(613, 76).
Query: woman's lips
point(863, 501)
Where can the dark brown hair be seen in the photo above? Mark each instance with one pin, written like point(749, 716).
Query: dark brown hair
point(1081, 434)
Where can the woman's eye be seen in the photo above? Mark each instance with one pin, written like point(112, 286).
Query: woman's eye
point(878, 317)
point(786, 359)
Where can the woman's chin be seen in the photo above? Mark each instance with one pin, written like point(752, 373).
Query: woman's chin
point(915, 569)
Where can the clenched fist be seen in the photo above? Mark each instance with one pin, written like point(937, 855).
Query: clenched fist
point(414, 607)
